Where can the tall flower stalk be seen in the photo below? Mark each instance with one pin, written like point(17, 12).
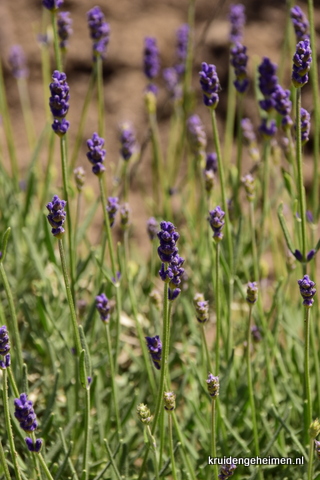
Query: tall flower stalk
point(213, 390)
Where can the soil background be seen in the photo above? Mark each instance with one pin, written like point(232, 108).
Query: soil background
point(124, 82)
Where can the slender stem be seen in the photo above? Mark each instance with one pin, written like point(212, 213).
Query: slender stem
point(173, 464)
point(15, 328)
point(45, 468)
point(70, 299)
point(204, 341)
point(113, 384)
point(184, 451)
point(163, 440)
point(4, 463)
point(86, 452)
point(218, 321)
point(56, 40)
point(213, 436)
point(307, 371)
point(36, 458)
point(158, 177)
point(254, 244)
point(101, 118)
point(14, 454)
point(310, 461)
point(250, 390)
point(231, 111)
point(154, 451)
point(265, 190)
point(302, 199)
point(239, 148)
point(13, 383)
point(113, 463)
point(47, 177)
point(26, 111)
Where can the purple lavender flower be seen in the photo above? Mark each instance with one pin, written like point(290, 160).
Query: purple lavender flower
point(213, 385)
point(267, 129)
point(127, 140)
point(112, 208)
point(96, 154)
point(57, 216)
point(182, 48)
point(216, 221)
point(152, 228)
point(64, 23)
point(227, 471)
point(17, 62)
point(305, 125)
point(99, 32)
point(4, 341)
point(24, 413)
point(196, 136)
point(239, 60)
point(173, 276)
point(309, 216)
point(171, 79)
point(202, 308)
point(300, 23)
point(168, 238)
point(210, 85)
point(59, 102)
point(34, 447)
point(301, 63)
point(151, 58)
point(268, 82)
point(103, 307)
point(298, 255)
point(307, 291)
point(252, 293)
point(52, 5)
point(212, 162)
point(155, 349)
point(311, 254)
point(237, 20)
point(282, 104)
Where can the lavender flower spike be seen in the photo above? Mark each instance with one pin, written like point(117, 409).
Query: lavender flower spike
point(239, 60)
point(4, 347)
point(300, 23)
point(301, 63)
point(99, 32)
point(34, 447)
point(305, 125)
point(307, 291)
point(213, 385)
point(155, 348)
point(17, 61)
point(227, 471)
point(252, 293)
point(64, 28)
point(59, 102)
point(152, 228)
point(268, 82)
point(79, 177)
point(197, 137)
point(216, 220)
point(202, 308)
point(52, 5)
point(57, 216)
point(96, 154)
point(169, 400)
point(103, 307)
point(151, 58)
point(112, 208)
point(168, 238)
point(24, 413)
point(127, 141)
point(237, 20)
point(210, 85)
point(182, 48)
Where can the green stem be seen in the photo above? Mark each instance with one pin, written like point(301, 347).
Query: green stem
point(218, 319)
point(231, 111)
point(113, 463)
point(154, 451)
point(204, 341)
point(45, 468)
point(14, 454)
point(86, 452)
point(301, 191)
point(213, 436)
point(47, 178)
point(239, 149)
point(13, 383)
point(113, 384)
point(265, 190)
point(310, 460)
point(4, 463)
point(70, 299)
point(101, 118)
point(254, 244)
point(14, 326)
point(26, 111)
point(158, 165)
point(56, 40)
point(307, 371)
point(185, 453)
point(173, 465)
point(250, 389)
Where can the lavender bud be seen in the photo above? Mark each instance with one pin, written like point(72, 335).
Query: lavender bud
point(151, 62)
point(64, 23)
point(168, 238)
point(144, 414)
point(267, 129)
point(24, 413)
point(201, 307)
point(59, 102)
point(314, 428)
point(6, 363)
point(298, 255)
point(256, 333)
point(99, 32)
point(317, 448)
point(79, 177)
point(301, 63)
point(239, 60)
point(237, 20)
point(57, 216)
point(196, 136)
point(182, 48)
point(212, 162)
point(17, 61)
point(103, 307)
point(307, 291)
point(171, 79)
point(282, 104)
point(155, 349)
point(249, 139)
point(112, 208)
point(311, 254)
point(309, 216)
point(227, 471)
point(300, 23)
point(34, 447)
point(208, 180)
point(213, 385)
point(216, 220)
point(252, 293)
point(169, 399)
point(96, 154)
point(125, 216)
point(210, 85)
point(268, 81)
point(4, 341)
point(152, 228)
point(249, 186)
point(305, 125)
point(127, 141)
point(52, 5)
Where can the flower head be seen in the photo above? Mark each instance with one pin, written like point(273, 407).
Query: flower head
point(57, 216)
point(239, 60)
point(227, 471)
point(317, 448)
point(182, 48)
point(151, 58)
point(152, 228)
point(249, 186)
point(202, 308)
point(196, 136)
point(268, 128)
point(96, 154)
point(155, 349)
point(237, 20)
point(125, 216)
point(268, 80)
point(34, 447)
point(282, 104)
point(171, 79)
point(307, 291)
point(103, 307)
point(17, 61)
point(252, 293)
point(168, 238)
point(4, 347)
point(210, 85)
point(212, 162)
point(127, 140)
point(300, 23)
point(169, 399)
point(24, 413)
point(59, 102)
point(216, 220)
point(213, 385)
point(99, 32)
point(52, 5)
point(305, 125)
point(64, 22)
point(112, 208)
point(301, 63)
point(144, 414)
point(79, 176)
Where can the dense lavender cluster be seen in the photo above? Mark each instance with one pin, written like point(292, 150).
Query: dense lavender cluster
point(196, 136)
point(59, 102)
point(24, 413)
point(210, 85)
point(268, 82)
point(237, 20)
point(301, 64)
point(227, 471)
point(4, 347)
point(64, 22)
point(112, 208)
point(182, 48)
point(151, 62)
point(307, 291)
point(300, 23)
point(305, 125)
point(252, 293)
point(282, 104)
point(96, 154)
point(103, 307)
point(57, 216)
point(99, 32)
point(216, 221)
point(17, 62)
point(213, 385)
point(239, 60)
point(127, 140)
point(155, 349)
point(52, 5)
